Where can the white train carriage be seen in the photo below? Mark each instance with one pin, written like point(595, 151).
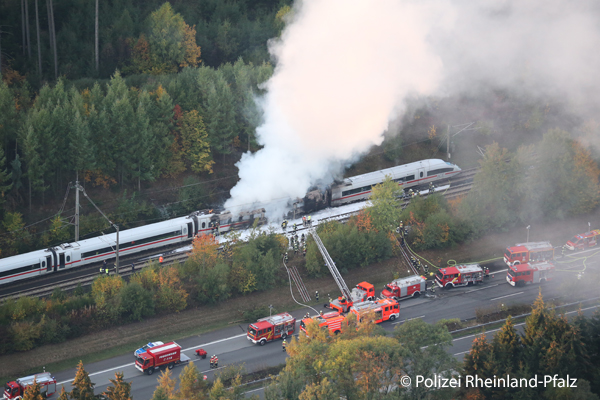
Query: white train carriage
point(23, 266)
point(420, 173)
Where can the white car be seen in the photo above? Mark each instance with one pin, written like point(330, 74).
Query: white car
point(146, 347)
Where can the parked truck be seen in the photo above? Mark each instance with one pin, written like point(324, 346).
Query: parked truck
point(16, 389)
point(526, 274)
point(382, 309)
point(267, 329)
point(331, 321)
point(402, 288)
point(459, 275)
point(162, 356)
point(363, 291)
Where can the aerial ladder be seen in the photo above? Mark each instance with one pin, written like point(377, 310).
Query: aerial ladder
point(363, 291)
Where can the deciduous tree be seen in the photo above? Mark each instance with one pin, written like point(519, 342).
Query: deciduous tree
point(385, 210)
point(191, 384)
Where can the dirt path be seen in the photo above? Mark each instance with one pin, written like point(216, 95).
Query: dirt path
point(493, 245)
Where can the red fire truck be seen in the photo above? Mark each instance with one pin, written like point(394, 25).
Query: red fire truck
point(271, 328)
point(384, 309)
point(528, 252)
point(459, 275)
point(16, 389)
point(331, 320)
point(363, 291)
point(580, 242)
point(165, 355)
point(403, 288)
point(526, 274)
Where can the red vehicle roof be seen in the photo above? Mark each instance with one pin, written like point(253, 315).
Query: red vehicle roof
point(262, 325)
point(461, 269)
point(540, 266)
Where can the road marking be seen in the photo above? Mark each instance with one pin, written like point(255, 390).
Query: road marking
point(133, 364)
point(462, 352)
point(410, 319)
point(487, 287)
point(508, 295)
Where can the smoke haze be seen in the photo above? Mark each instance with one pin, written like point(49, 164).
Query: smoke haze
point(344, 68)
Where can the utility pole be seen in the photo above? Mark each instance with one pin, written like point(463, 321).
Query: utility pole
point(112, 224)
point(448, 143)
point(77, 188)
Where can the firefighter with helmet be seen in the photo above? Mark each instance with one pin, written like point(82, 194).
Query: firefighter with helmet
point(212, 361)
point(284, 224)
point(283, 344)
point(216, 362)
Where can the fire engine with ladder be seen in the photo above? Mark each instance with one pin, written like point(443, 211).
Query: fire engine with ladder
point(363, 291)
point(16, 389)
point(526, 274)
point(271, 328)
point(459, 275)
point(383, 309)
point(528, 252)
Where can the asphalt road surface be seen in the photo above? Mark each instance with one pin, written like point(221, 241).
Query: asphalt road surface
point(232, 346)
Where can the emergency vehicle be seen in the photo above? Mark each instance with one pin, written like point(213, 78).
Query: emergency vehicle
point(580, 242)
point(331, 320)
point(165, 355)
point(528, 252)
point(384, 309)
point(16, 389)
point(402, 288)
point(459, 275)
point(526, 274)
point(362, 292)
point(267, 329)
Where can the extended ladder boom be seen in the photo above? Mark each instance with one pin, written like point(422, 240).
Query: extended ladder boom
point(332, 268)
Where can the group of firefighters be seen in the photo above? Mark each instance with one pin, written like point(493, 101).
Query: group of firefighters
point(214, 362)
point(412, 193)
point(306, 222)
point(105, 270)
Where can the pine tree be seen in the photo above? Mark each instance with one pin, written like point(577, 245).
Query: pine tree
point(120, 390)
point(195, 144)
point(5, 176)
point(160, 394)
point(191, 384)
point(32, 392)
point(83, 388)
point(507, 348)
point(64, 395)
point(167, 384)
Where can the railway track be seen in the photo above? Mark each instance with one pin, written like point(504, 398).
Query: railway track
point(458, 187)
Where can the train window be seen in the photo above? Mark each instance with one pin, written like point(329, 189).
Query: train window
point(43, 264)
point(203, 224)
point(439, 171)
point(420, 174)
point(408, 178)
point(68, 258)
point(184, 231)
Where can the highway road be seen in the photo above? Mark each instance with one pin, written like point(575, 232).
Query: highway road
point(232, 347)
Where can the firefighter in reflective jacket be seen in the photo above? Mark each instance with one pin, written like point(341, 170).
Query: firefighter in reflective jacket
point(284, 224)
point(216, 362)
point(212, 361)
point(284, 344)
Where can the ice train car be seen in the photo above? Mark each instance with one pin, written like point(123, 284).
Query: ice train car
point(358, 188)
point(131, 241)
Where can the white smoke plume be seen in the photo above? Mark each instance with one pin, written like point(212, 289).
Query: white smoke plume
point(344, 67)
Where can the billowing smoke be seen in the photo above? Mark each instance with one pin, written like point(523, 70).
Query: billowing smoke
point(345, 66)
point(342, 67)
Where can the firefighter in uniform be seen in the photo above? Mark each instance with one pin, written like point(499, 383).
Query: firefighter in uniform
point(309, 221)
point(431, 187)
point(295, 227)
point(216, 362)
point(107, 271)
point(212, 361)
point(284, 344)
point(304, 221)
point(317, 295)
point(284, 225)
point(285, 258)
